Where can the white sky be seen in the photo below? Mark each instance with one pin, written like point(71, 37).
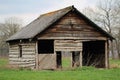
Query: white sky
point(28, 10)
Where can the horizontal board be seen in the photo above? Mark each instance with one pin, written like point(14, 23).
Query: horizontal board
point(68, 49)
point(18, 62)
point(28, 65)
point(28, 51)
point(22, 60)
point(13, 46)
point(28, 56)
point(68, 45)
point(30, 46)
point(77, 38)
point(13, 52)
point(23, 55)
point(13, 56)
point(70, 34)
point(74, 20)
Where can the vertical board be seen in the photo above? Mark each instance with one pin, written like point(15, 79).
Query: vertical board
point(47, 61)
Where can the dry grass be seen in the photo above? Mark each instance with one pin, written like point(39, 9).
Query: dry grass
point(114, 63)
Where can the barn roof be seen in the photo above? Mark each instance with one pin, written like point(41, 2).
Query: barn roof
point(45, 20)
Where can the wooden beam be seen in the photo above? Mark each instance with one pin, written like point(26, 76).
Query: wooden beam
point(106, 54)
point(73, 38)
point(80, 58)
point(37, 57)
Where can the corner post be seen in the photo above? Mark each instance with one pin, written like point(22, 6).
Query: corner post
point(37, 66)
point(80, 58)
point(106, 54)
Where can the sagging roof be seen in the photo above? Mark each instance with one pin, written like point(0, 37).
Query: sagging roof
point(45, 20)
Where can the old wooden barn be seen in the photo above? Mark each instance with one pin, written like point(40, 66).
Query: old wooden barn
point(40, 44)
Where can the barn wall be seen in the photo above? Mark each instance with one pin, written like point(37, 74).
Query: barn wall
point(28, 55)
point(71, 26)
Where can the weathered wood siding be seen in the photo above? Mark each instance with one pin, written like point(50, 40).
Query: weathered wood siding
point(47, 61)
point(28, 55)
point(68, 45)
point(79, 29)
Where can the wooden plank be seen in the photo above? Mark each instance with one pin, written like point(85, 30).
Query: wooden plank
point(28, 65)
point(13, 56)
point(68, 49)
point(28, 48)
point(68, 45)
point(21, 63)
point(47, 61)
point(37, 57)
point(81, 58)
point(77, 38)
point(29, 53)
point(106, 55)
point(23, 59)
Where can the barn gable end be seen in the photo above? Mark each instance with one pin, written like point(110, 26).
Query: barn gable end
point(71, 26)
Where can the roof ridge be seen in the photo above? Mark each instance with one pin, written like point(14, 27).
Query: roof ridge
point(69, 7)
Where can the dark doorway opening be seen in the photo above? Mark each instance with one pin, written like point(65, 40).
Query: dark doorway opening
point(59, 59)
point(63, 59)
point(94, 53)
point(75, 58)
point(67, 59)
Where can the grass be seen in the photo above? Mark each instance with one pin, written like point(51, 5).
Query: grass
point(114, 63)
point(85, 73)
point(66, 62)
point(3, 62)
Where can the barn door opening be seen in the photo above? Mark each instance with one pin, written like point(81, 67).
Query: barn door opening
point(94, 53)
point(46, 57)
point(64, 59)
point(75, 58)
point(68, 59)
point(59, 59)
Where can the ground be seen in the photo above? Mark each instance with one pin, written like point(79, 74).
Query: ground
point(86, 73)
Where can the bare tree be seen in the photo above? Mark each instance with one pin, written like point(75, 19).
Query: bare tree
point(7, 29)
point(107, 15)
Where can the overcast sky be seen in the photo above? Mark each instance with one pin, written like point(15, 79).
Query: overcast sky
point(28, 10)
